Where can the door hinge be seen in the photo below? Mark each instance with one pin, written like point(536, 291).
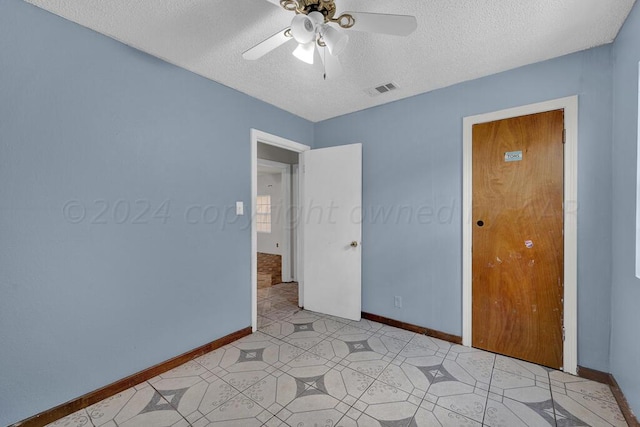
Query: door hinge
point(563, 334)
point(564, 136)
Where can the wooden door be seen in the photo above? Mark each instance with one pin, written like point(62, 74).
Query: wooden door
point(518, 249)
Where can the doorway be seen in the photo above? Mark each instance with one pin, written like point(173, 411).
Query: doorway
point(274, 205)
point(328, 263)
point(294, 266)
point(497, 291)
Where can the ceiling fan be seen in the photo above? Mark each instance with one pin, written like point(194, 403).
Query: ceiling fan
point(314, 26)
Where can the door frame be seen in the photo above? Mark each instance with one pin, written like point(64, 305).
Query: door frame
point(276, 141)
point(570, 203)
point(284, 170)
point(295, 242)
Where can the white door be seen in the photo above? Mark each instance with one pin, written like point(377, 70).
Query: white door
point(332, 229)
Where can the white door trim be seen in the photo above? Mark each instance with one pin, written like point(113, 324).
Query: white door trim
point(570, 106)
point(295, 208)
point(285, 245)
point(265, 138)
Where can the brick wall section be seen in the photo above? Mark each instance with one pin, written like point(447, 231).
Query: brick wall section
point(270, 264)
point(264, 280)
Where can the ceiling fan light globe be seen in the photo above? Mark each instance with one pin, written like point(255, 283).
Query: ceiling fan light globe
point(302, 29)
point(317, 18)
point(306, 52)
point(335, 40)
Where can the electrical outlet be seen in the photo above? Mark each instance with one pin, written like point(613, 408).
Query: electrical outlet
point(397, 301)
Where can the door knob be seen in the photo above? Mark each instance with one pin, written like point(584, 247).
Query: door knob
point(354, 244)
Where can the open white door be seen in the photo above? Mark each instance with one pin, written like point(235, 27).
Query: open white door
point(332, 227)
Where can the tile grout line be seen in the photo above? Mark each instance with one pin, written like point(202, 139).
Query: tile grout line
point(486, 402)
point(428, 388)
point(553, 401)
point(430, 385)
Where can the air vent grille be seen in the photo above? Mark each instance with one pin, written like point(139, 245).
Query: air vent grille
point(383, 88)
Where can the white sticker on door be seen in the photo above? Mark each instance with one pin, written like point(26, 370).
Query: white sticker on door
point(513, 156)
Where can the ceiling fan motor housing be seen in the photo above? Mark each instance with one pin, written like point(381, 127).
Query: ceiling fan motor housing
point(327, 8)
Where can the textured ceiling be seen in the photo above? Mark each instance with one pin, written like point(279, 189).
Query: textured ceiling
point(456, 40)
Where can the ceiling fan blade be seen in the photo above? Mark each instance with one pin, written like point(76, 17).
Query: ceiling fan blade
point(332, 66)
point(395, 25)
point(266, 46)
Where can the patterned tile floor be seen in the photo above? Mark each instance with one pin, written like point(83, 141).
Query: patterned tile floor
point(305, 369)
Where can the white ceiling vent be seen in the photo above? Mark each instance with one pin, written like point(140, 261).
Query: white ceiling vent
point(384, 88)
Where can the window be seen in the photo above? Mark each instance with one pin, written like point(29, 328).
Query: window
point(263, 214)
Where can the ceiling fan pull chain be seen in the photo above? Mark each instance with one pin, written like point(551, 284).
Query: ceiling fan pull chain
point(324, 64)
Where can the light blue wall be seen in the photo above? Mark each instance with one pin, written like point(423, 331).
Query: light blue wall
point(85, 118)
point(625, 314)
point(412, 158)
